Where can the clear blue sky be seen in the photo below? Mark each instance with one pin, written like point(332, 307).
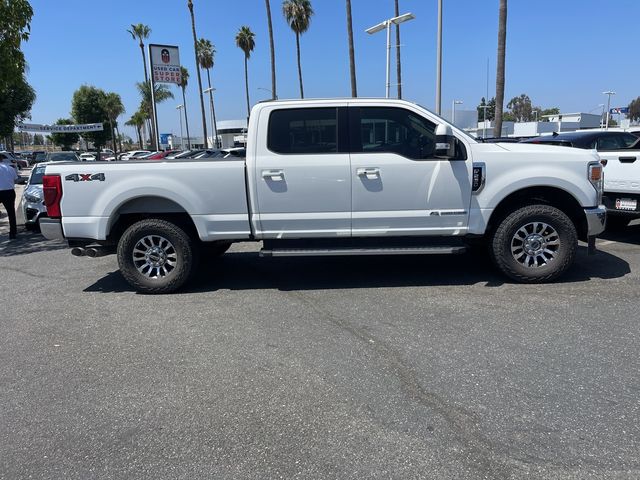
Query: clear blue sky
point(560, 52)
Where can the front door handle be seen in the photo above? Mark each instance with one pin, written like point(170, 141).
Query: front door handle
point(275, 175)
point(370, 173)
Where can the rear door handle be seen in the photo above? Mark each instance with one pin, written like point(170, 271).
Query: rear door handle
point(275, 175)
point(371, 172)
point(627, 159)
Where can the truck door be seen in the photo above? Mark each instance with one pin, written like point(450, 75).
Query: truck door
point(398, 186)
point(302, 175)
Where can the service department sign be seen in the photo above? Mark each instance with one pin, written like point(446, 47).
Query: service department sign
point(36, 127)
point(165, 64)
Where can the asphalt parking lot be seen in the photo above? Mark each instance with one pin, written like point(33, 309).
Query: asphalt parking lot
point(380, 367)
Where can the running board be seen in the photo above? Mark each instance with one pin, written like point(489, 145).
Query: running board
point(328, 252)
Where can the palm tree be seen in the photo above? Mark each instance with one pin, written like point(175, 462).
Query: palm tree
point(184, 75)
point(500, 70)
point(195, 51)
point(114, 108)
point(298, 15)
point(137, 120)
point(161, 93)
point(352, 54)
point(245, 40)
point(205, 52)
point(141, 32)
point(398, 65)
point(274, 95)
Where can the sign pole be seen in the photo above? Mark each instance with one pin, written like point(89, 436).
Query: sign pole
point(156, 136)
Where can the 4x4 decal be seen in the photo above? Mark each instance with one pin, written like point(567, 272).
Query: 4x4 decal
point(84, 177)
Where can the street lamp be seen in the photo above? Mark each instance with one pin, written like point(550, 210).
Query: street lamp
point(439, 62)
point(453, 109)
point(179, 108)
point(387, 25)
point(608, 93)
point(210, 91)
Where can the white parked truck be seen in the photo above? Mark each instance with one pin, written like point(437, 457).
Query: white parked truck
point(334, 177)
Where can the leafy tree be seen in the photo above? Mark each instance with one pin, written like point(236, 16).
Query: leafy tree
point(634, 110)
point(521, 108)
point(491, 109)
point(272, 50)
point(15, 27)
point(38, 139)
point(16, 99)
point(88, 106)
point(64, 140)
point(184, 75)
point(205, 53)
point(245, 42)
point(195, 50)
point(500, 67)
point(141, 32)
point(298, 15)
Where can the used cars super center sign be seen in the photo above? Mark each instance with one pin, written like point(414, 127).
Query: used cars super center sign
point(165, 64)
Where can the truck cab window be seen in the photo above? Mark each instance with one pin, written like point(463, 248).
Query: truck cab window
point(303, 131)
point(395, 130)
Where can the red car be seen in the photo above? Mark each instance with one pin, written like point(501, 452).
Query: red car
point(160, 155)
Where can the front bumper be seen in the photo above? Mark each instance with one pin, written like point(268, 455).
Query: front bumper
point(596, 220)
point(51, 229)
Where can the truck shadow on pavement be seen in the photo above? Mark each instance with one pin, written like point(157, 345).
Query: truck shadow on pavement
point(26, 243)
point(630, 234)
point(245, 271)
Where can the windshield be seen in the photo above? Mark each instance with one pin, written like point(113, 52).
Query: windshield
point(36, 175)
point(62, 157)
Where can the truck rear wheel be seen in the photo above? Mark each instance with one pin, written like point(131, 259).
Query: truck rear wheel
point(534, 244)
point(156, 256)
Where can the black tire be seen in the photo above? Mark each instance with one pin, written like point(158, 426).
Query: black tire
point(181, 253)
point(617, 222)
point(510, 241)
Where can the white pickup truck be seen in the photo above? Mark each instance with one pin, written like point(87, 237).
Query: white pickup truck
point(334, 177)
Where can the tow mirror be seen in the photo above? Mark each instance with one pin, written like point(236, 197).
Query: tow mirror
point(445, 142)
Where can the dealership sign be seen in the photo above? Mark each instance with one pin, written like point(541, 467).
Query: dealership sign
point(35, 127)
point(619, 110)
point(165, 64)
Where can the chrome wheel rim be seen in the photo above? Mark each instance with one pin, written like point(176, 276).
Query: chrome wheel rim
point(154, 256)
point(535, 244)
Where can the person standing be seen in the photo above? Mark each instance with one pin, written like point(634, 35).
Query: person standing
point(8, 180)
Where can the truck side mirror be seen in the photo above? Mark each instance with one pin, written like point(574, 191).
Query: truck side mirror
point(445, 142)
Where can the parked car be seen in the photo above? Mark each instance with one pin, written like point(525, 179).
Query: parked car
point(620, 154)
point(134, 154)
point(335, 177)
point(40, 157)
point(65, 156)
point(87, 157)
point(32, 204)
point(160, 155)
point(9, 159)
point(186, 154)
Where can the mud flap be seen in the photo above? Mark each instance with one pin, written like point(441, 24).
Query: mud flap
point(591, 246)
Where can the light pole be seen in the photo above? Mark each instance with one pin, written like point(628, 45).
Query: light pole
point(484, 121)
point(453, 110)
point(270, 91)
point(387, 25)
point(210, 91)
point(439, 63)
point(608, 93)
point(179, 108)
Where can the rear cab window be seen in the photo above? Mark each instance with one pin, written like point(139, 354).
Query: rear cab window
point(303, 131)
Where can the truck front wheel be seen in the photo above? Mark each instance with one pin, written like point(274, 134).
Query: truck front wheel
point(534, 244)
point(155, 256)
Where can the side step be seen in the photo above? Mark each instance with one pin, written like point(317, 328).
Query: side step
point(328, 252)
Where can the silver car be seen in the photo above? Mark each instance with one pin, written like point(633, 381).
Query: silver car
point(33, 207)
